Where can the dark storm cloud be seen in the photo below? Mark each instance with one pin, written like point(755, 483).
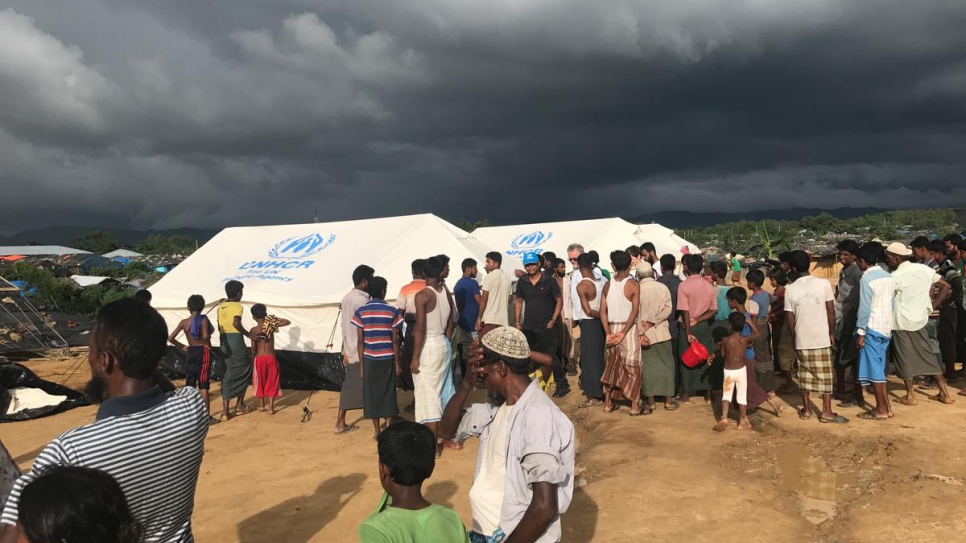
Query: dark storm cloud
point(210, 114)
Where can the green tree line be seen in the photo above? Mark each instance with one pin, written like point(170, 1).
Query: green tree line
point(99, 242)
point(61, 295)
point(759, 236)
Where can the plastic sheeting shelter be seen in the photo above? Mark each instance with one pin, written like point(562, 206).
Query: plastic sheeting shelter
point(602, 235)
point(16, 378)
point(302, 271)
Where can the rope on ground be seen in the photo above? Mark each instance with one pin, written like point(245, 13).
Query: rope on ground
point(306, 412)
point(74, 368)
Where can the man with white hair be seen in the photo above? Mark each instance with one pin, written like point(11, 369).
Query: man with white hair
point(571, 302)
point(657, 355)
point(913, 304)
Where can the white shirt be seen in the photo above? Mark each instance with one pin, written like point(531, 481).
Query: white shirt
point(497, 286)
point(350, 339)
point(913, 303)
point(575, 277)
point(806, 298)
point(486, 494)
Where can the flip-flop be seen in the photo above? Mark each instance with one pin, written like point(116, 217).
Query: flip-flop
point(869, 415)
point(905, 401)
point(611, 409)
point(837, 419)
point(641, 413)
point(850, 402)
point(720, 426)
point(589, 403)
point(938, 398)
point(961, 392)
point(675, 405)
point(347, 429)
point(802, 415)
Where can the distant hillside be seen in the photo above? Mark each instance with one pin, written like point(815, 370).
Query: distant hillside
point(688, 219)
point(63, 235)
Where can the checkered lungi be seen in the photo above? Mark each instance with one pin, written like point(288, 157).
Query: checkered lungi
point(815, 370)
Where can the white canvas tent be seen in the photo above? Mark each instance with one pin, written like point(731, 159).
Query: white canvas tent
point(602, 235)
point(302, 271)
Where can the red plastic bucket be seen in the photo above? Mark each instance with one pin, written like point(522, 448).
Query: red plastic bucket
point(695, 355)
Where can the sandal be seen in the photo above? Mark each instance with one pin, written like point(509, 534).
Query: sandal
point(850, 401)
point(589, 402)
point(869, 415)
point(675, 405)
point(906, 401)
point(802, 415)
point(347, 429)
point(611, 409)
point(942, 399)
point(837, 419)
point(962, 392)
point(244, 409)
point(641, 413)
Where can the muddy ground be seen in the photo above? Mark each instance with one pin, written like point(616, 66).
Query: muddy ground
point(664, 477)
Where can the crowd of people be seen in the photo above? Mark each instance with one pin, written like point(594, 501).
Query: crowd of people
point(641, 332)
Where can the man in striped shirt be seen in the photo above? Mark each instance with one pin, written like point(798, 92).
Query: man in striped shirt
point(378, 326)
point(151, 442)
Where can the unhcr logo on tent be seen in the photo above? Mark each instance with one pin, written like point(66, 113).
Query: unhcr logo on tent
point(529, 243)
point(301, 247)
point(292, 253)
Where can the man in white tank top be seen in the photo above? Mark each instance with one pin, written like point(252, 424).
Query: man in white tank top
point(619, 310)
point(430, 365)
point(587, 316)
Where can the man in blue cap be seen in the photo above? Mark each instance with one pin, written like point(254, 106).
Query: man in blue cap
point(542, 297)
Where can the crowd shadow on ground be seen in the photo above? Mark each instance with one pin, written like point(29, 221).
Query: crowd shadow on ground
point(31, 456)
point(580, 520)
point(299, 519)
point(441, 493)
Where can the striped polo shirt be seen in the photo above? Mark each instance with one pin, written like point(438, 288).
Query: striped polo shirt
point(377, 319)
point(152, 443)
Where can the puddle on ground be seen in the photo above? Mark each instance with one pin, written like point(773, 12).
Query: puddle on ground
point(821, 492)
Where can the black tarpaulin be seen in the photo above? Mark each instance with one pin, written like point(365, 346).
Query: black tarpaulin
point(17, 376)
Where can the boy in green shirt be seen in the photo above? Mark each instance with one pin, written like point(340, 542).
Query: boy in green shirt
point(736, 269)
point(407, 457)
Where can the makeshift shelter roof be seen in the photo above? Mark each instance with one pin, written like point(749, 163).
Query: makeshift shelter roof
point(602, 235)
point(302, 271)
point(121, 253)
point(37, 250)
point(7, 286)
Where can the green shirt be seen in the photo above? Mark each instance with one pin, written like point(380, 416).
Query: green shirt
point(735, 264)
point(433, 524)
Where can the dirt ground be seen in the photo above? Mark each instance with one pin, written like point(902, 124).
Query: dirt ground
point(665, 477)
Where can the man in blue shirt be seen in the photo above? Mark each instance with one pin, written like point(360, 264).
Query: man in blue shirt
point(467, 294)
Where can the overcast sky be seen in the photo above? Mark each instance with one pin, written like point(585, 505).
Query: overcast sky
point(225, 112)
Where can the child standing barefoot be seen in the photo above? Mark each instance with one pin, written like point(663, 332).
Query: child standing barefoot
point(265, 379)
point(733, 349)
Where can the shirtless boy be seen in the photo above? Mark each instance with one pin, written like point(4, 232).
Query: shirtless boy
point(197, 329)
point(265, 381)
point(733, 349)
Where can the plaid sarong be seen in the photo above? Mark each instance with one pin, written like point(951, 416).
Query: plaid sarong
point(815, 370)
point(622, 368)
